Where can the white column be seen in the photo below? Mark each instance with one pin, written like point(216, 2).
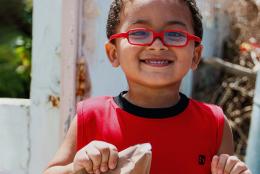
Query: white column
point(253, 152)
point(45, 85)
point(69, 53)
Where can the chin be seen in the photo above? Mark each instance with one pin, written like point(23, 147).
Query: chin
point(160, 83)
point(154, 81)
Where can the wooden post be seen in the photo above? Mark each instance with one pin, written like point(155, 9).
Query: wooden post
point(253, 152)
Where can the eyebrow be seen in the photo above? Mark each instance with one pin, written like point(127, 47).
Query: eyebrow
point(141, 21)
point(146, 22)
point(176, 23)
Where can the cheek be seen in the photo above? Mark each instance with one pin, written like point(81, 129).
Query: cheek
point(185, 55)
point(128, 51)
point(123, 43)
point(122, 48)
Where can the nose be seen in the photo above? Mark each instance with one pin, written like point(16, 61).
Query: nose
point(157, 45)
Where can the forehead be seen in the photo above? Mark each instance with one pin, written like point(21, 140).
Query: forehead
point(155, 12)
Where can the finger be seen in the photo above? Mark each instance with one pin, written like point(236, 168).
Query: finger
point(246, 172)
point(113, 157)
point(239, 168)
point(105, 152)
point(214, 164)
point(221, 163)
point(82, 161)
point(232, 160)
point(95, 157)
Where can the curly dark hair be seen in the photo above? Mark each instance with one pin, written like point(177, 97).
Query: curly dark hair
point(116, 6)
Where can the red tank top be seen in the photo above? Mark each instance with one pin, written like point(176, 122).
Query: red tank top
point(183, 140)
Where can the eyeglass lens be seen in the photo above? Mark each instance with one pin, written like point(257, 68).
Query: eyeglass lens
point(140, 37)
point(174, 38)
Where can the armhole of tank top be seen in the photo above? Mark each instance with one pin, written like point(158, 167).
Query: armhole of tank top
point(220, 126)
point(80, 123)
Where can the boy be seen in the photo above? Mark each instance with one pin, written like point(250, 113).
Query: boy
point(155, 42)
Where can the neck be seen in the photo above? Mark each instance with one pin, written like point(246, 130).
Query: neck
point(153, 97)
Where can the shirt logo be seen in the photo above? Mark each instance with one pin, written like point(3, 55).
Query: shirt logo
point(202, 159)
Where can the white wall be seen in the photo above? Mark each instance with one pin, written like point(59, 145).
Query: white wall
point(105, 79)
point(14, 136)
point(215, 25)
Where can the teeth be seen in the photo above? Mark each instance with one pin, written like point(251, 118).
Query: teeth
point(158, 62)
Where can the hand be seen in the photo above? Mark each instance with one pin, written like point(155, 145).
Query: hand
point(226, 164)
point(96, 157)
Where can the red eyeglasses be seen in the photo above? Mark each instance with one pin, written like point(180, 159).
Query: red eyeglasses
point(146, 37)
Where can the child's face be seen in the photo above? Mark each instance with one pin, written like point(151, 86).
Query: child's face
point(156, 65)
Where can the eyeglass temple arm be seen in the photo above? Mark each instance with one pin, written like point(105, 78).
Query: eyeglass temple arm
point(195, 38)
point(119, 35)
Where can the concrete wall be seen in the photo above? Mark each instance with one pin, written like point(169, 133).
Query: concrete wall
point(14, 136)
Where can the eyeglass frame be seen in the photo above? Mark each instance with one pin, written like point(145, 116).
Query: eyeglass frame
point(156, 35)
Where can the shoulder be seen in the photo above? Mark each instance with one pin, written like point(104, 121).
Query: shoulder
point(207, 108)
point(95, 101)
point(210, 112)
point(93, 104)
point(92, 113)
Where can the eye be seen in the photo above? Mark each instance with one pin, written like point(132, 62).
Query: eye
point(174, 35)
point(139, 34)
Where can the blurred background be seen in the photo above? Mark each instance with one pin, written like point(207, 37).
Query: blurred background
point(229, 79)
point(68, 62)
point(15, 48)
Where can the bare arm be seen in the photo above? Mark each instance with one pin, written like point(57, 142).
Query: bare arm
point(225, 162)
point(94, 157)
point(227, 145)
point(62, 163)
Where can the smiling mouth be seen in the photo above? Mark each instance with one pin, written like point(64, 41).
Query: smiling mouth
point(157, 63)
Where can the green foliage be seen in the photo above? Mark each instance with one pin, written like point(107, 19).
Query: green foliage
point(15, 48)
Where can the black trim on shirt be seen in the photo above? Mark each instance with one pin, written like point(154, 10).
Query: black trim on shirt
point(172, 111)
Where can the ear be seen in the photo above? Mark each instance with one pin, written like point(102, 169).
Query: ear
point(112, 54)
point(196, 57)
